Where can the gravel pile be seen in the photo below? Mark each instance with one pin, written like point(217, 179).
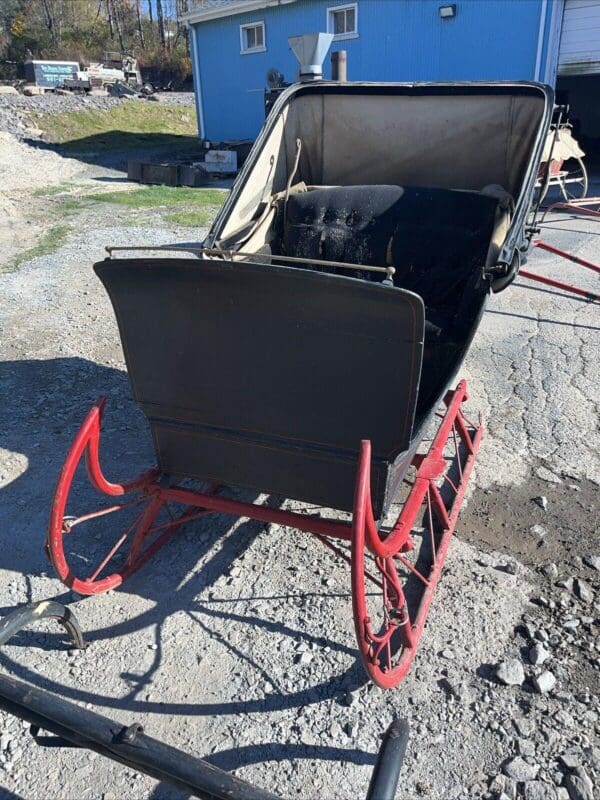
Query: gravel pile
point(15, 107)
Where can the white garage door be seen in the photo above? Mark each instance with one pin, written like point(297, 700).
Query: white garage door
point(579, 52)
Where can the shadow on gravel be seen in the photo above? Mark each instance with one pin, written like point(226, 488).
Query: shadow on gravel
point(42, 404)
point(274, 751)
point(6, 794)
point(277, 752)
point(542, 319)
point(114, 148)
point(566, 295)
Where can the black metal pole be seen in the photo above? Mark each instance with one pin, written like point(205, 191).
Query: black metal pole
point(126, 744)
point(384, 780)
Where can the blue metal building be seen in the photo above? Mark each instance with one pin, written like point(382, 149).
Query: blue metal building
point(235, 42)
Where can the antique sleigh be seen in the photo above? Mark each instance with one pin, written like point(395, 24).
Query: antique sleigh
point(304, 349)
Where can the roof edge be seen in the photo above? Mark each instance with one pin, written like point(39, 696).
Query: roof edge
point(198, 15)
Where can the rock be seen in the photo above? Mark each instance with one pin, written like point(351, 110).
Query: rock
point(538, 654)
point(536, 790)
point(564, 719)
point(541, 501)
point(448, 654)
point(351, 728)
point(510, 672)
point(307, 738)
point(570, 760)
point(593, 562)
point(593, 756)
point(519, 770)
point(304, 658)
point(525, 727)
point(16, 754)
point(579, 785)
point(544, 682)
point(526, 747)
point(550, 571)
point(571, 624)
point(583, 591)
point(496, 784)
point(567, 584)
point(547, 475)
point(351, 697)
point(538, 530)
point(502, 786)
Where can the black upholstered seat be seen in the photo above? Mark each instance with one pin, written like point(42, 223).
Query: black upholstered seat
point(433, 237)
point(437, 240)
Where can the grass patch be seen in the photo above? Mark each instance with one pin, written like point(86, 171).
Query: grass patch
point(162, 197)
point(52, 191)
point(49, 243)
point(129, 125)
point(192, 219)
point(191, 208)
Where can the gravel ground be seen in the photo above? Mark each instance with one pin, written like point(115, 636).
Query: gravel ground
point(14, 107)
point(237, 644)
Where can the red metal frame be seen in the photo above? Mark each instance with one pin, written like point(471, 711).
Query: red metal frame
point(566, 287)
point(386, 654)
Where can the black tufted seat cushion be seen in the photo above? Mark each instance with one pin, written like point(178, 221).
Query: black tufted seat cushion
point(343, 223)
point(433, 237)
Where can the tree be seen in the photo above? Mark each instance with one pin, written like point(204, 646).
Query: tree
point(82, 30)
point(140, 28)
point(161, 25)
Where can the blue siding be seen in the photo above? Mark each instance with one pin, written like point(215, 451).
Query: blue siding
point(399, 40)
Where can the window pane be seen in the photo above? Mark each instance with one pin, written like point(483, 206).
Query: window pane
point(250, 38)
point(350, 22)
point(338, 22)
point(259, 36)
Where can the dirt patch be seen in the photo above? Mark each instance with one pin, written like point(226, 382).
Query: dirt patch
point(511, 519)
point(22, 218)
point(549, 524)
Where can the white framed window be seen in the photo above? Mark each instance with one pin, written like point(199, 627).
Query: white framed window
point(252, 38)
point(342, 21)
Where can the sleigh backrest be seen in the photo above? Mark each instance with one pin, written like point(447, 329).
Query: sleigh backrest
point(268, 377)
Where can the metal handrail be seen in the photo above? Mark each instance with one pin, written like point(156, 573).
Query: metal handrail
point(231, 254)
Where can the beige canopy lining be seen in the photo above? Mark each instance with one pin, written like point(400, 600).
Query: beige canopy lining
point(446, 141)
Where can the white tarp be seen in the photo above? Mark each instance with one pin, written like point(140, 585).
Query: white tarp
point(566, 146)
